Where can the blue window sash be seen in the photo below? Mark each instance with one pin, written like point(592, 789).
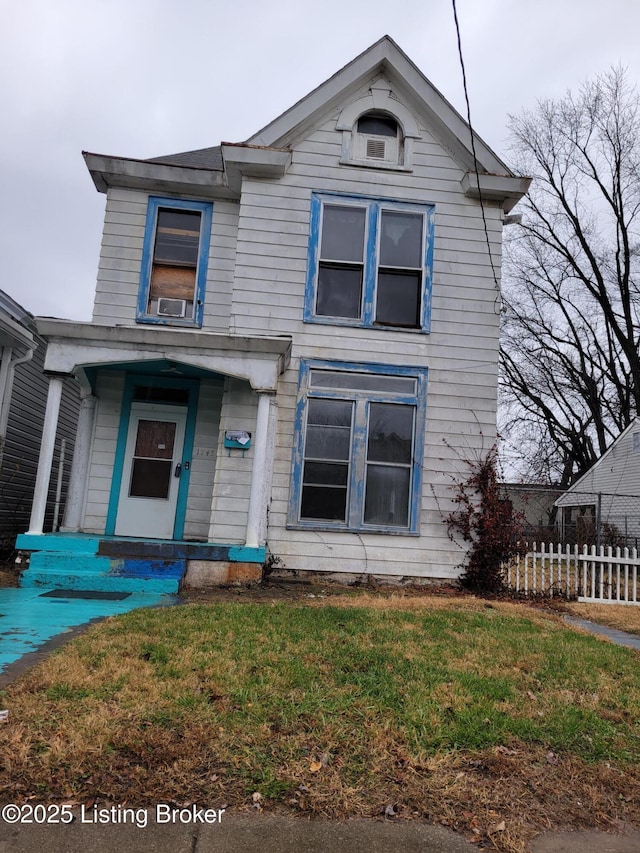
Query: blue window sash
point(206, 209)
point(373, 206)
point(357, 459)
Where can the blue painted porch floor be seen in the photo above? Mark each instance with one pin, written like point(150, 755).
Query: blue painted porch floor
point(28, 620)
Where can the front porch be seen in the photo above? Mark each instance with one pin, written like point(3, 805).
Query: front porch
point(87, 562)
point(159, 486)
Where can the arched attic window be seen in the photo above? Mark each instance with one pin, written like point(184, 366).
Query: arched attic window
point(378, 137)
point(383, 119)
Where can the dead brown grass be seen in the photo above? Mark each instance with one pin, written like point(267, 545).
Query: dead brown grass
point(624, 617)
point(125, 743)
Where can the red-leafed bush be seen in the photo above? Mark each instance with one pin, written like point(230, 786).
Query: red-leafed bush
point(485, 519)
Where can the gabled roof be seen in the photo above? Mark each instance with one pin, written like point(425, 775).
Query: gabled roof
point(268, 152)
point(579, 484)
point(386, 57)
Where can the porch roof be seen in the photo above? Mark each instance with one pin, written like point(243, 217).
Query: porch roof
point(73, 347)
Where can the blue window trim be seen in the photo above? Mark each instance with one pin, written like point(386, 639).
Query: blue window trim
point(355, 511)
point(373, 206)
point(156, 202)
point(193, 387)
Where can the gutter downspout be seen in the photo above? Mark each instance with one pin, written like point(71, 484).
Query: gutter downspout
point(7, 371)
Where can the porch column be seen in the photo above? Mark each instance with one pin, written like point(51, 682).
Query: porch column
point(263, 450)
point(46, 455)
point(80, 465)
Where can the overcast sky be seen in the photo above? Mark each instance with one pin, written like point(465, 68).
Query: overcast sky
point(141, 78)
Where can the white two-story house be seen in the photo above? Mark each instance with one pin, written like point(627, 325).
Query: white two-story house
point(294, 342)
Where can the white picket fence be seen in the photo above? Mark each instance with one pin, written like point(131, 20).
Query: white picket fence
point(602, 575)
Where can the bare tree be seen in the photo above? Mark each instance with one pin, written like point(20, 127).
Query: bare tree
point(571, 330)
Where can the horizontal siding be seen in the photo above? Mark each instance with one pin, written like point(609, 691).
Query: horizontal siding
point(232, 485)
point(616, 473)
point(121, 258)
point(203, 467)
point(103, 450)
point(21, 448)
point(461, 351)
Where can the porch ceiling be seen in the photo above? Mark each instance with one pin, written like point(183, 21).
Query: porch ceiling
point(73, 347)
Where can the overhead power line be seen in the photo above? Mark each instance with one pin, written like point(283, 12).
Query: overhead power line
point(473, 145)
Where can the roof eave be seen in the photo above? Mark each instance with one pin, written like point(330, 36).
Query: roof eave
point(107, 171)
point(241, 160)
point(505, 189)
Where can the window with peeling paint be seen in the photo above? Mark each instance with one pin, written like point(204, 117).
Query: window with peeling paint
point(369, 263)
point(358, 447)
point(174, 262)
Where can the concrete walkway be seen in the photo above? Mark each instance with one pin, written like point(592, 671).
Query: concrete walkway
point(620, 638)
point(240, 833)
point(30, 617)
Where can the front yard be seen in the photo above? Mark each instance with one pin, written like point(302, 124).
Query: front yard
point(492, 718)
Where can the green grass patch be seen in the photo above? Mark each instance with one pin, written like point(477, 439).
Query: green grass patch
point(260, 695)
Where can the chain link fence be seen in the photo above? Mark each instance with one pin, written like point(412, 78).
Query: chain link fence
point(576, 518)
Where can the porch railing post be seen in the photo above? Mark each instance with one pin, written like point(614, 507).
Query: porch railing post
point(39, 506)
point(260, 474)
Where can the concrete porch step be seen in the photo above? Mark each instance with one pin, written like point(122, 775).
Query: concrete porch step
point(135, 567)
point(104, 583)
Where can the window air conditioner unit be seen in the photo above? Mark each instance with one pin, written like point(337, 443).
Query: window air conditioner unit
point(171, 307)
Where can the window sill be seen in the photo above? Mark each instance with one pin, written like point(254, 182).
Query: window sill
point(173, 322)
point(358, 324)
point(375, 164)
point(342, 528)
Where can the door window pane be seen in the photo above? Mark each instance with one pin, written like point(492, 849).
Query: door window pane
point(152, 459)
point(150, 478)
point(155, 439)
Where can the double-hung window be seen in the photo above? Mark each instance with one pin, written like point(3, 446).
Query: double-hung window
point(174, 261)
point(358, 448)
point(370, 262)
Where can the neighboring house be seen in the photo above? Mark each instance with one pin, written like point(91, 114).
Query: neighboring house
point(604, 504)
point(295, 339)
point(535, 504)
point(23, 397)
